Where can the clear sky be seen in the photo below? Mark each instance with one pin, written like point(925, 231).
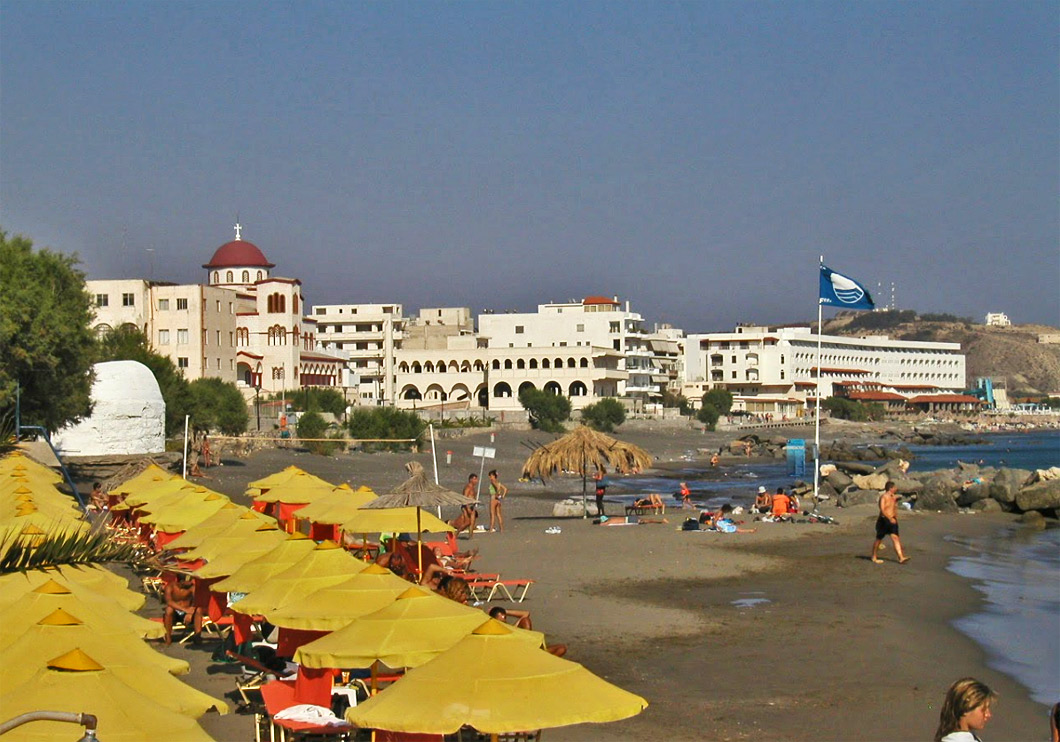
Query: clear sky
point(692, 157)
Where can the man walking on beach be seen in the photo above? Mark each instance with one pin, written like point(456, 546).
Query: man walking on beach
point(887, 523)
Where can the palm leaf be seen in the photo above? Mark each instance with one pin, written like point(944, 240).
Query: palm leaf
point(59, 546)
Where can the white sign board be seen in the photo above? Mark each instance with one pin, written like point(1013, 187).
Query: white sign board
point(485, 452)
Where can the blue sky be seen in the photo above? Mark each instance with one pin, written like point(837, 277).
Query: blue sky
point(695, 158)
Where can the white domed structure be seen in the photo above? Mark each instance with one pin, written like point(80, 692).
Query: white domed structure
point(238, 264)
point(128, 415)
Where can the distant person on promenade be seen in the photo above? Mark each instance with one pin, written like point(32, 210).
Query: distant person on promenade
point(497, 494)
point(965, 711)
point(601, 489)
point(887, 524)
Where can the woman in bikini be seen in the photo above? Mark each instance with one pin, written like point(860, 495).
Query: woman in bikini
point(497, 493)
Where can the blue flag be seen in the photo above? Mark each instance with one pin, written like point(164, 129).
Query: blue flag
point(838, 290)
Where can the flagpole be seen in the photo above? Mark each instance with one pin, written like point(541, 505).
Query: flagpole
point(817, 414)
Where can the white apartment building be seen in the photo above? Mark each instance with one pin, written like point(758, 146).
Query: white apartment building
point(366, 336)
point(244, 326)
point(998, 319)
point(775, 370)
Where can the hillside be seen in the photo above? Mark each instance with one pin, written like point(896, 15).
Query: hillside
point(1012, 355)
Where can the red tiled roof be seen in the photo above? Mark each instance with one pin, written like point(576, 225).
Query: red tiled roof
point(599, 300)
point(876, 396)
point(935, 398)
point(238, 254)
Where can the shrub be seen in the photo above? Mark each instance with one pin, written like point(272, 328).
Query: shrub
point(605, 415)
point(547, 410)
point(313, 425)
point(708, 415)
point(385, 422)
point(672, 399)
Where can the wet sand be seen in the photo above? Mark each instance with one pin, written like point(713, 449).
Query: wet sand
point(843, 649)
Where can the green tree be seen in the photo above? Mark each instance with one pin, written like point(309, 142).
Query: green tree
point(129, 344)
point(708, 415)
point(46, 341)
point(385, 422)
point(720, 399)
point(328, 400)
point(547, 410)
point(218, 405)
point(673, 399)
point(605, 415)
point(848, 409)
point(313, 425)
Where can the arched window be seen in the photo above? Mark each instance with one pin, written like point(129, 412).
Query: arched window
point(216, 277)
point(533, 363)
point(478, 366)
point(571, 363)
point(282, 301)
point(465, 367)
point(496, 365)
point(502, 390)
point(577, 389)
point(260, 274)
point(228, 277)
point(525, 386)
point(584, 363)
point(553, 388)
point(428, 367)
point(246, 276)
point(558, 363)
point(403, 368)
point(453, 367)
point(508, 364)
point(520, 364)
point(416, 367)
point(545, 363)
point(294, 304)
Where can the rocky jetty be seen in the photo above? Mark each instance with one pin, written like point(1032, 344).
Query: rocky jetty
point(965, 486)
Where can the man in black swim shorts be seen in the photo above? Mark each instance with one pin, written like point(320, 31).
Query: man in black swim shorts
point(887, 524)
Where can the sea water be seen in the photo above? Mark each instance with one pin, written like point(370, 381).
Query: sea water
point(1018, 572)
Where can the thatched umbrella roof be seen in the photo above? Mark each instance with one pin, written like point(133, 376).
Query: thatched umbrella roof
point(418, 491)
point(583, 449)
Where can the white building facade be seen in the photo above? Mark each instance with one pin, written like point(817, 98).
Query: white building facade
point(775, 370)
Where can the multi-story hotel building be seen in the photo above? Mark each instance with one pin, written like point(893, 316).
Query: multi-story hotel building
point(775, 370)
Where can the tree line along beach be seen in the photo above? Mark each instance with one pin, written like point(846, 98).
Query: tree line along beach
point(787, 633)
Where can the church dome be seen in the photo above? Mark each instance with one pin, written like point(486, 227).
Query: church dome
point(238, 254)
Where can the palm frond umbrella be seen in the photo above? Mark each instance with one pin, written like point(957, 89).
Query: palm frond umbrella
point(419, 492)
point(581, 448)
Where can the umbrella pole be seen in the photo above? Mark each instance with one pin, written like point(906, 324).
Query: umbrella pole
point(419, 542)
point(585, 508)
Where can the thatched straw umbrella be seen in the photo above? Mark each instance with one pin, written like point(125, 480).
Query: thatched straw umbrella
point(581, 448)
point(419, 492)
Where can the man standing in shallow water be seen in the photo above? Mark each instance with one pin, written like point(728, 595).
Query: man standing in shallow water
point(887, 523)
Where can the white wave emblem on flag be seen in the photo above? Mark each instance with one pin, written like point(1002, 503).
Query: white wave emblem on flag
point(847, 291)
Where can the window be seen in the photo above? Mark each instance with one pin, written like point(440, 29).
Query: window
point(581, 328)
point(228, 276)
point(217, 336)
point(216, 277)
point(182, 305)
point(246, 276)
point(102, 300)
point(519, 329)
point(163, 337)
point(163, 305)
point(128, 300)
point(260, 276)
point(182, 362)
point(218, 364)
point(182, 337)
point(218, 306)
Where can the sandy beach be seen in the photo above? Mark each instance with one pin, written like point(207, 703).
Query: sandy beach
point(832, 646)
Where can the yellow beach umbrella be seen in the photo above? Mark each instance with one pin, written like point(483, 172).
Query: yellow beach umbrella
point(338, 506)
point(414, 629)
point(327, 564)
point(495, 682)
point(241, 553)
point(259, 487)
point(333, 607)
point(217, 523)
point(256, 572)
point(149, 495)
point(299, 487)
point(244, 530)
point(86, 582)
point(100, 614)
point(74, 681)
point(183, 515)
point(149, 478)
point(61, 631)
point(395, 520)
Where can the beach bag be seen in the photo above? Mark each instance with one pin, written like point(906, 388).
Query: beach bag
point(690, 524)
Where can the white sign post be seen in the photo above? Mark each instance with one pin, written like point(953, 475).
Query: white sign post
point(483, 452)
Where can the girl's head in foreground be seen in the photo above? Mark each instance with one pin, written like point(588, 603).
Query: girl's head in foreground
point(966, 708)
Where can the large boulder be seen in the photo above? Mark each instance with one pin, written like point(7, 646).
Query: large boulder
point(875, 481)
point(839, 480)
point(986, 505)
point(973, 493)
point(1034, 519)
point(938, 494)
point(852, 497)
point(1007, 483)
point(1039, 496)
point(908, 485)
